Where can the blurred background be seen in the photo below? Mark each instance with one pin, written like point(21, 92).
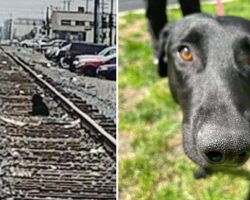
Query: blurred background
point(152, 164)
point(128, 5)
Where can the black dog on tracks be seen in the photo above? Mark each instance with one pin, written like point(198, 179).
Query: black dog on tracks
point(39, 108)
point(207, 61)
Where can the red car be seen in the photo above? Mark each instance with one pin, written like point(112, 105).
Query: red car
point(89, 66)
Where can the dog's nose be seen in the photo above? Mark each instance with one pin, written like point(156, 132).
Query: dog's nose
point(217, 157)
point(214, 156)
point(223, 146)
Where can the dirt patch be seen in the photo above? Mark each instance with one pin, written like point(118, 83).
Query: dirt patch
point(134, 28)
point(125, 149)
point(247, 165)
point(128, 193)
point(175, 146)
point(131, 97)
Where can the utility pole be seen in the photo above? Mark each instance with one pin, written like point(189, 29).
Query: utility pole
point(87, 5)
point(102, 7)
point(104, 21)
point(111, 23)
point(96, 21)
point(10, 28)
point(86, 10)
point(47, 21)
point(64, 4)
point(69, 5)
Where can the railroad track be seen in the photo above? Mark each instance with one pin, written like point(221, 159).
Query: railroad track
point(64, 156)
point(106, 123)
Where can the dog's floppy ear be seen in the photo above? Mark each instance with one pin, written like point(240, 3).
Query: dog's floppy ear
point(162, 56)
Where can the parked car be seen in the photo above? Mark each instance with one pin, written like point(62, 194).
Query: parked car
point(80, 48)
point(29, 43)
point(107, 72)
point(52, 51)
point(90, 65)
point(53, 43)
point(15, 42)
point(60, 53)
point(41, 42)
point(105, 52)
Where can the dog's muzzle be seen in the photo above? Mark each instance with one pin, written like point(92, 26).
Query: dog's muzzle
point(221, 147)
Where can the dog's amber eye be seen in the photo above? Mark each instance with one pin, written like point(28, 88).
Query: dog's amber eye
point(185, 54)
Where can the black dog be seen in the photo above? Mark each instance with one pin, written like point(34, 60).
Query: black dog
point(39, 107)
point(207, 61)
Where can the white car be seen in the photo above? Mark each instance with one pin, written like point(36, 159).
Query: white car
point(42, 42)
point(101, 55)
point(28, 43)
point(43, 45)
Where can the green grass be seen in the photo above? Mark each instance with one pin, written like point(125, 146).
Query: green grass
point(152, 164)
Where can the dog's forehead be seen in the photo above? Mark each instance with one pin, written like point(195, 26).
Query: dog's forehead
point(210, 26)
point(195, 21)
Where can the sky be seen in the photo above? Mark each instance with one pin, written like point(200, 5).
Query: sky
point(35, 8)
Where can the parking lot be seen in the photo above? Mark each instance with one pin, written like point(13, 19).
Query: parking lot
point(87, 59)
